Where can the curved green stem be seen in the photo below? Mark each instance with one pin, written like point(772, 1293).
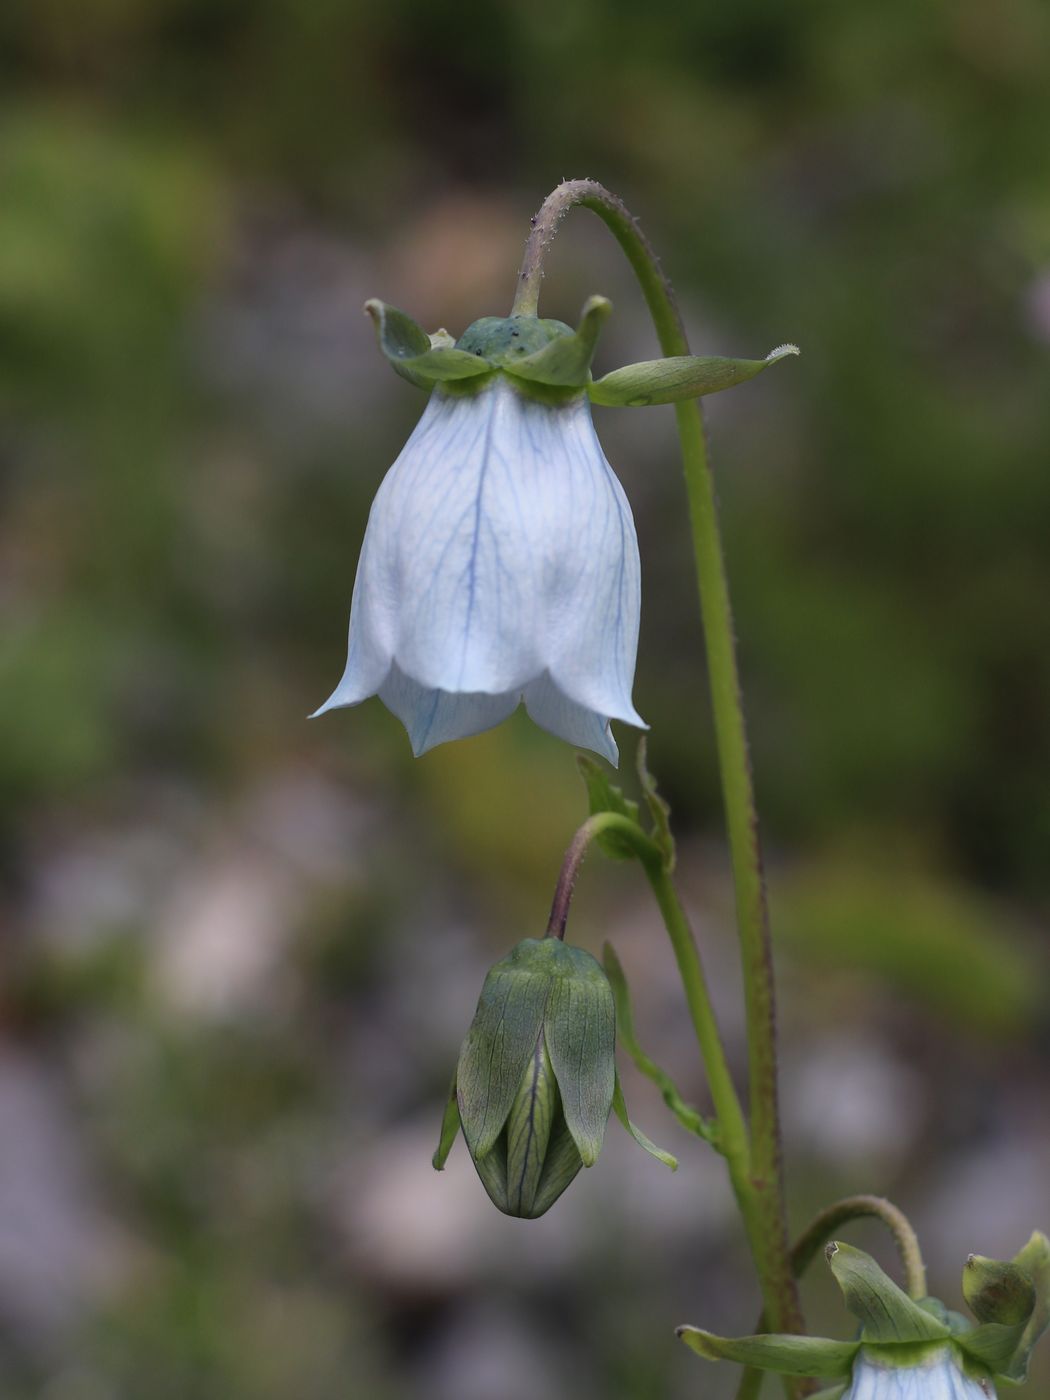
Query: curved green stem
point(765, 1189)
point(827, 1223)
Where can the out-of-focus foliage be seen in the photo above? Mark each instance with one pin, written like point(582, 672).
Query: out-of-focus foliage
point(238, 951)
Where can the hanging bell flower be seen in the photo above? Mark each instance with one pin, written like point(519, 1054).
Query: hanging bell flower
point(500, 562)
point(908, 1349)
point(537, 1077)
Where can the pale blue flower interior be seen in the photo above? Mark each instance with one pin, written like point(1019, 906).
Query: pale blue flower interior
point(938, 1377)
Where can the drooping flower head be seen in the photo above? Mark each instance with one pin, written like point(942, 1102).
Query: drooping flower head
point(500, 562)
point(912, 1349)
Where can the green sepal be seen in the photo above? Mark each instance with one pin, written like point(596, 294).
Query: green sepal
point(565, 361)
point(560, 1167)
point(579, 1026)
point(833, 1392)
point(529, 1125)
point(501, 1040)
point(789, 1355)
point(1034, 1261)
point(604, 796)
point(885, 1312)
point(997, 1291)
point(414, 355)
point(689, 1118)
point(678, 377)
point(449, 1129)
point(992, 1345)
point(620, 1109)
point(659, 809)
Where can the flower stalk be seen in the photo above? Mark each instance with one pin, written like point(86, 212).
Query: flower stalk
point(761, 1191)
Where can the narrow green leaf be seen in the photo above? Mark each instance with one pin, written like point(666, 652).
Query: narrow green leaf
point(566, 360)
point(790, 1356)
point(580, 1029)
point(678, 377)
point(885, 1311)
point(620, 1107)
point(689, 1118)
point(659, 810)
point(414, 355)
point(501, 1041)
point(605, 796)
point(449, 1129)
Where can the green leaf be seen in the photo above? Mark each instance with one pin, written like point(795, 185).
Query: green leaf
point(580, 1029)
point(501, 1041)
point(678, 377)
point(620, 1107)
point(790, 1356)
point(449, 1129)
point(689, 1118)
point(885, 1311)
point(566, 360)
point(659, 810)
point(604, 796)
point(412, 353)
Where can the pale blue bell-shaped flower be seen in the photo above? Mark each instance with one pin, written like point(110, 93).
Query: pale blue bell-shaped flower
point(500, 564)
point(938, 1375)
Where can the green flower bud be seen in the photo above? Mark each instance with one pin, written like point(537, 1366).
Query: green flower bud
point(536, 1076)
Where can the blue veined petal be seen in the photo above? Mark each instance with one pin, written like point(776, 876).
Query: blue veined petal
point(456, 552)
point(435, 716)
point(938, 1376)
point(500, 554)
point(593, 611)
point(554, 711)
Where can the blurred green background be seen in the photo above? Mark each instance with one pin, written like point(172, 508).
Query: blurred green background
point(239, 950)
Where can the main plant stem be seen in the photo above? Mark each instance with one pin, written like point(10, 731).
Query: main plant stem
point(761, 1191)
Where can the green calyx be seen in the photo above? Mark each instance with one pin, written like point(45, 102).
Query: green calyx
point(536, 1077)
point(1011, 1301)
point(548, 360)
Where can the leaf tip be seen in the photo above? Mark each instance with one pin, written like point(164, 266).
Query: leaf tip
point(780, 351)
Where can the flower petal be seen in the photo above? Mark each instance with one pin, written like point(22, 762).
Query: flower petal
point(559, 715)
point(500, 547)
point(433, 717)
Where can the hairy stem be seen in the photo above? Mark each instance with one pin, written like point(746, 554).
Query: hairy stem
point(765, 1213)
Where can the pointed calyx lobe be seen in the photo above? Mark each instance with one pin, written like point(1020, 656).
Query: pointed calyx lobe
point(548, 359)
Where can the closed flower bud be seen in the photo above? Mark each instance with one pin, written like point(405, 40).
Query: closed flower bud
point(537, 1077)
